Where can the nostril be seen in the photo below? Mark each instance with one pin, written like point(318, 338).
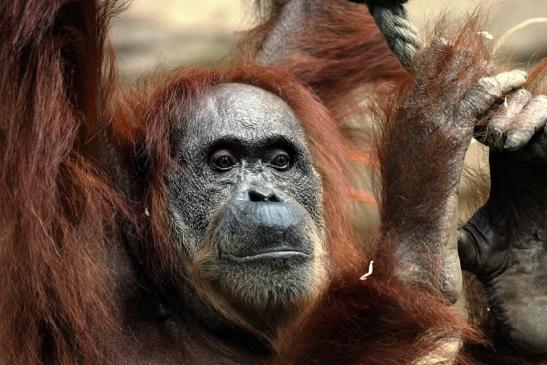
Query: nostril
point(273, 198)
point(257, 195)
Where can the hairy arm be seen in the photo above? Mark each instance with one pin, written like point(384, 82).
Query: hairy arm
point(51, 100)
point(422, 154)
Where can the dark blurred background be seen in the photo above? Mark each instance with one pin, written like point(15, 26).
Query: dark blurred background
point(175, 32)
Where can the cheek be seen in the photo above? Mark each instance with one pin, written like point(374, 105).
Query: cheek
point(191, 206)
point(308, 191)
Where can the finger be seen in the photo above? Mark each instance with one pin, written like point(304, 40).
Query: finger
point(493, 128)
point(475, 241)
point(467, 250)
point(489, 89)
point(531, 120)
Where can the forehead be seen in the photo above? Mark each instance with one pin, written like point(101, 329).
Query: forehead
point(243, 112)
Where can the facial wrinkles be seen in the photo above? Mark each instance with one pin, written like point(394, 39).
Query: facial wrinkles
point(250, 115)
point(246, 113)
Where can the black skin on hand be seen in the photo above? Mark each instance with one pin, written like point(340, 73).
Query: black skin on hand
point(505, 244)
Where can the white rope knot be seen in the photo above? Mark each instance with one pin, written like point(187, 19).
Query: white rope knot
point(369, 272)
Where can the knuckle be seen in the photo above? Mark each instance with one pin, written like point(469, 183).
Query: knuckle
point(488, 85)
point(516, 103)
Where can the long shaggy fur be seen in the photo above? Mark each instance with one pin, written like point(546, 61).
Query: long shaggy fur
point(56, 210)
point(77, 162)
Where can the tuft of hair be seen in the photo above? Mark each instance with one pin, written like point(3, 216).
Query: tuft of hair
point(55, 289)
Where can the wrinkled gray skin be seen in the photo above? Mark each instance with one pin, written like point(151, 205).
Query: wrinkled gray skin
point(253, 229)
point(505, 242)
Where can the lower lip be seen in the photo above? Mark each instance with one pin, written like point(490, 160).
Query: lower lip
point(269, 256)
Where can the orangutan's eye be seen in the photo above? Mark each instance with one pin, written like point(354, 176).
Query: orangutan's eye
point(222, 160)
point(281, 160)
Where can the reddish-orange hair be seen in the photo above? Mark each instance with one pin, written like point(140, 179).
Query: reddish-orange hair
point(57, 235)
point(71, 169)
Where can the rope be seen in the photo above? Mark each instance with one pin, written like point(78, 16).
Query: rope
point(399, 33)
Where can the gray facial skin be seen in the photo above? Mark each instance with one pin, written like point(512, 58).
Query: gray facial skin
point(246, 205)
